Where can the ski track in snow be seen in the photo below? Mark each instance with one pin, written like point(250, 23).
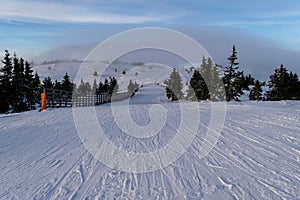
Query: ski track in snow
point(256, 157)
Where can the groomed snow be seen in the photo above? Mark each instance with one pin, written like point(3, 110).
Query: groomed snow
point(256, 157)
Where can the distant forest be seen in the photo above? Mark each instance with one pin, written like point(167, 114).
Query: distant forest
point(21, 88)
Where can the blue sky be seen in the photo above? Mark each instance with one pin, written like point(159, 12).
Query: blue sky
point(34, 27)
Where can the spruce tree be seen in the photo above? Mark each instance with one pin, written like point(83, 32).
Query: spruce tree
point(82, 88)
point(113, 86)
point(57, 85)
point(66, 84)
point(256, 92)
point(100, 88)
point(95, 87)
point(29, 84)
point(232, 78)
point(88, 88)
point(293, 86)
point(6, 83)
point(19, 90)
point(278, 83)
point(197, 88)
point(174, 86)
point(47, 83)
point(131, 87)
point(106, 86)
point(17, 85)
point(37, 88)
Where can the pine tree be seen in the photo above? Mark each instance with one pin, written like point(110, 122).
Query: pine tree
point(278, 84)
point(249, 81)
point(88, 88)
point(18, 100)
point(6, 83)
point(66, 84)
point(232, 78)
point(293, 86)
point(100, 88)
point(47, 83)
point(17, 85)
point(95, 87)
point(82, 88)
point(29, 84)
point(36, 87)
point(256, 92)
point(106, 86)
point(174, 86)
point(214, 82)
point(136, 86)
point(197, 88)
point(113, 86)
point(131, 87)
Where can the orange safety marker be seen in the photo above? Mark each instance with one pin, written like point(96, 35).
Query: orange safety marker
point(43, 99)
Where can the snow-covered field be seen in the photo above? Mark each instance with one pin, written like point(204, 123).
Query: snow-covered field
point(257, 155)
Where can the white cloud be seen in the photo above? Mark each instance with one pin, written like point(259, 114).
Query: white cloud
point(34, 11)
point(261, 22)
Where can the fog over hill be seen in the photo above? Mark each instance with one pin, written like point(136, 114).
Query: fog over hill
point(256, 55)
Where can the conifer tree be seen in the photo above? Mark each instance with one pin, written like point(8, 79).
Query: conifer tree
point(18, 99)
point(197, 88)
point(57, 85)
point(174, 86)
point(47, 83)
point(6, 83)
point(88, 88)
point(100, 88)
point(278, 83)
point(36, 86)
point(283, 85)
point(66, 84)
point(232, 78)
point(256, 92)
point(131, 86)
point(106, 86)
point(113, 86)
point(17, 85)
point(95, 87)
point(82, 89)
point(28, 84)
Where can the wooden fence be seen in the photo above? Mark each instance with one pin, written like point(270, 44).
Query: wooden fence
point(60, 98)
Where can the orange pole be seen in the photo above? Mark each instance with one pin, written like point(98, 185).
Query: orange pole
point(43, 97)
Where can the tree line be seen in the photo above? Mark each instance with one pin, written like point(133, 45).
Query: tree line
point(205, 84)
point(20, 88)
point(109, 86)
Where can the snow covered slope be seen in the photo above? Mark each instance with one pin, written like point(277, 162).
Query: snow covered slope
point(256, 157)
point(142, 74)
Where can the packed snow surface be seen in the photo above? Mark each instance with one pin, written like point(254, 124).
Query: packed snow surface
point(257, 155)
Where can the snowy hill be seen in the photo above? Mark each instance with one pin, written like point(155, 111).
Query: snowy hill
point(257, 155)
point(142, 73)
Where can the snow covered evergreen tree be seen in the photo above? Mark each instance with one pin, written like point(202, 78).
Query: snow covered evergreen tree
point(256, 92)
point(174, 86)
point(131, 87)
